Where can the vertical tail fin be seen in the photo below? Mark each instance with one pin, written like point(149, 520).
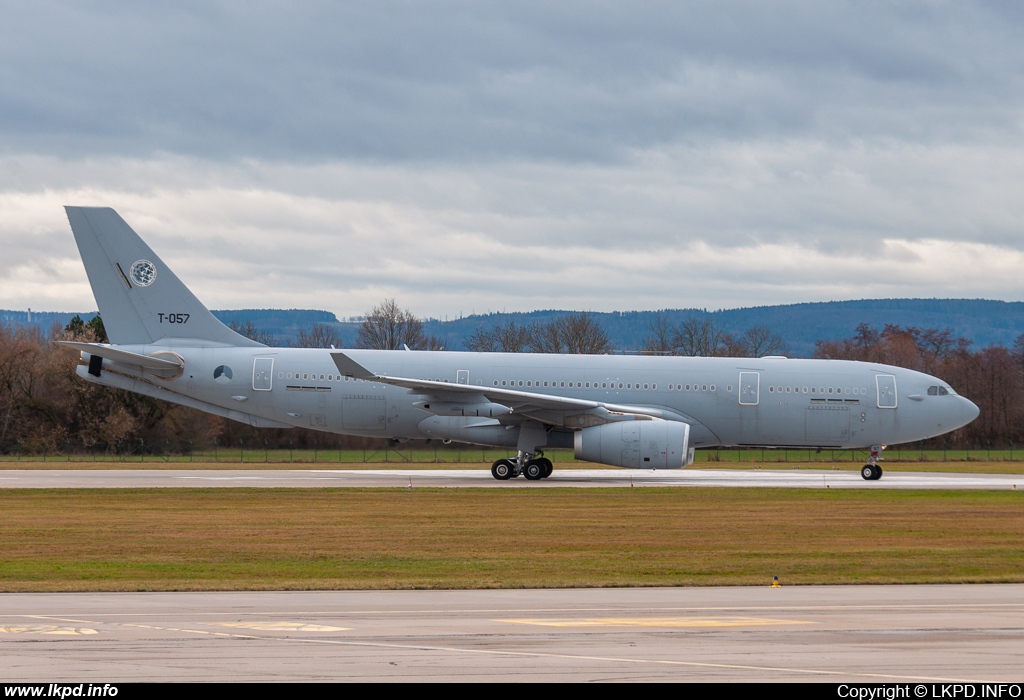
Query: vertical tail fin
point(142, 302)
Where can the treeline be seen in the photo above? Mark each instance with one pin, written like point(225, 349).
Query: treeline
point(45, 407)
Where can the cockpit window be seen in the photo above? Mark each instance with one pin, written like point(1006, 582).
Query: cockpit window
point(943, 391)
point(940, 391)
point(933, 391)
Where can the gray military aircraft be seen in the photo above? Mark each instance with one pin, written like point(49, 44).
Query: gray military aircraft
point(638, 412)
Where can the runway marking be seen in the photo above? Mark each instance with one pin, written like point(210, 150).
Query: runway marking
point(145, 627)
point(664, 662)
point(533, 654)
point(704, 622)
point(48, 629)
point(284, 627)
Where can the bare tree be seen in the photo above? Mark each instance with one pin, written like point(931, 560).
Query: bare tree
point(319, 336)
point(250, 331)
point(576, 333)
point(730, 345)
point(388, 327)
point(431, 342)
point(510, 337)
point(660, 341)
point(697, 338)
point(1018, 354)
point(760, 340)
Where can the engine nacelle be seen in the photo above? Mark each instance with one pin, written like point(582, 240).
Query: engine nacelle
point(636, 444)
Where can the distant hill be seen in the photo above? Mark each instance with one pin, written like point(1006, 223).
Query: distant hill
point(982, 321)
point(42, 319)
point(282, 324)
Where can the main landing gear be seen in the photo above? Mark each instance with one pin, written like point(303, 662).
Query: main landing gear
point(534, 468)
point(871, 471)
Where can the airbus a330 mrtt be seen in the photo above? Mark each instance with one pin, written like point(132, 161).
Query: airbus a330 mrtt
point(639, 412)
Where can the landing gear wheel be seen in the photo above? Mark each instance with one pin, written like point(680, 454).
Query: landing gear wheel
point(534, 470)
point(871, 472)
point(548, 467)
point(502, 469)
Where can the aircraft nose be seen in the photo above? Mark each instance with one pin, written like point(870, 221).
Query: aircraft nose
point(968, 410)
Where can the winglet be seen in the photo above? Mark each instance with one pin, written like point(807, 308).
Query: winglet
point(350, 368)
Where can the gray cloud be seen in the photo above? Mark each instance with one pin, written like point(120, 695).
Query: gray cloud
point(471, 81)
point(526, 155)
point(726, 225)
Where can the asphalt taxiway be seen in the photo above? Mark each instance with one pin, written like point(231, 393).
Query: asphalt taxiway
point(861, 634)
point(481, 478)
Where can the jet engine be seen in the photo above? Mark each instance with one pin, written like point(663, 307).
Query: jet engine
point(636, 444)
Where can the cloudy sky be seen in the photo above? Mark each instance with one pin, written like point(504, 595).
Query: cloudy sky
point(466, 156)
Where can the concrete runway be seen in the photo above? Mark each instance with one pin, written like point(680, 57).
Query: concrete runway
point(481, 478)
point(861, 634)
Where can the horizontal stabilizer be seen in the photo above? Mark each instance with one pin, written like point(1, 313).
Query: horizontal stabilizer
point(124, 357)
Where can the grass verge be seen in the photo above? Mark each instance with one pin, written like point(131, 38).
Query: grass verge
point(249, 539)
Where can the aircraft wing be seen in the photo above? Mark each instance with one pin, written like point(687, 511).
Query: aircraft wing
point(519, 401)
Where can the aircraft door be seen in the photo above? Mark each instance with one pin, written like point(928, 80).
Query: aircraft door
point(886, 386)
point(462, 376)
point(750, 385)
point(263, 374)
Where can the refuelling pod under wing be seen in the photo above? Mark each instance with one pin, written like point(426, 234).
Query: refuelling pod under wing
point(480, 409)
point(636, 444)
point(477, 431)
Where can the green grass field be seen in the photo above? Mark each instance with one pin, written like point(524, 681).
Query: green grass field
point(218, 539)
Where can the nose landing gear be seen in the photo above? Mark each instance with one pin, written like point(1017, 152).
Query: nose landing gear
point(871, 471)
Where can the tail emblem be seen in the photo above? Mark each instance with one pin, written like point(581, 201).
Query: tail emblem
point(143, 273)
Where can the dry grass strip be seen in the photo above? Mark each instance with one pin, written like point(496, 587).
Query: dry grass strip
point(220, 539)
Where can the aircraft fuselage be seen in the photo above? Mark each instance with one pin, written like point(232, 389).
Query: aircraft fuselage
point(771, 402)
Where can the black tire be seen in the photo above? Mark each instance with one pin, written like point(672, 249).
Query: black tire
point(878, 472)
point(534, 470)
point(868, 472)
point(502, 470)
point(548, 467)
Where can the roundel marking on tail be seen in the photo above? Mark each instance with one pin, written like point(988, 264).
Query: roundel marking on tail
point(143, 273)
